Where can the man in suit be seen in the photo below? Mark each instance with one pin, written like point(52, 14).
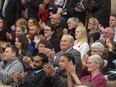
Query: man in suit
point(66, 45)
point(11, 11)
point(9, 64)
point(33, 8)
point(36, 77)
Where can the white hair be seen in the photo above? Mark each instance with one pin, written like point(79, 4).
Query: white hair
point(99, 46)
point(97, 59)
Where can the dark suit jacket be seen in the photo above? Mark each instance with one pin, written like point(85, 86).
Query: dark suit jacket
point(72, 13)
point(13, 12)
point(76, 55)
point(33, 8)
point(99, 9)
point(36, 80)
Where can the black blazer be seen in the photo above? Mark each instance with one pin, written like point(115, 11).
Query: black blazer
point(13, 12)
point(36, 80)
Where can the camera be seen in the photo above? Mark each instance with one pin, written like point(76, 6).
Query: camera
point(80, 5)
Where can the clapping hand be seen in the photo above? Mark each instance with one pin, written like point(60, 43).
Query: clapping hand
point(49, 69)
point(71, 68)
point(18, 77)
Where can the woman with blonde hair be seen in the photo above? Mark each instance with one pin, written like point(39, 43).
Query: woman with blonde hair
point(80, 43)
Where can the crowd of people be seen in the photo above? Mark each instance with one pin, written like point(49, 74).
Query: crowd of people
point(57, 43)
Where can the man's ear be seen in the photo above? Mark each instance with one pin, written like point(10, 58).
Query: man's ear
point(14, 53)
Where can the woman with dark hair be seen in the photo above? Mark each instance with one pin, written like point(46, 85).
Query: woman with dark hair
point(21, 43)
point(50, 34)
point(3, 30)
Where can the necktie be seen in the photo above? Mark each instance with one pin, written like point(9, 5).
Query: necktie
point(4, 8)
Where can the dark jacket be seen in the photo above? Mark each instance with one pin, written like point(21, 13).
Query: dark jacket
point(99, 9)
point(35, 80)
point(59, 79)
point(3, 35)
point(72, 32)
point(33, 8)
point(13, 12)
point(95, 36)
point(55, 43)
point(72, 13)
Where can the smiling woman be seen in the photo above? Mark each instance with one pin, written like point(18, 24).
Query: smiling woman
point(94, 66)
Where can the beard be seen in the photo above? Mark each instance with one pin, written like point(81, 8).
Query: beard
point(31, 36)
point(37, 68)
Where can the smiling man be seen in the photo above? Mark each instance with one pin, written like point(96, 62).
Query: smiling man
point(9, 64)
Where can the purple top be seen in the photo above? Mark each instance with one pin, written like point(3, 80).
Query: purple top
point(98, 80)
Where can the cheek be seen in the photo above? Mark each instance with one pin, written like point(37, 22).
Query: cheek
point(46, 33)
point(17, 45)
point(91, 67)
point(62, 65)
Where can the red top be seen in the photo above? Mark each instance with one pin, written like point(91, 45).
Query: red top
point(98, 81)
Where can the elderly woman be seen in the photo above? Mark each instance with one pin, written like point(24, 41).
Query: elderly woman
point(72, 24)
point(97, 48)
point(94, 66)
point(94, 31)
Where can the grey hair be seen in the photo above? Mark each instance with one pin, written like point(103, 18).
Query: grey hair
point(71, 37)
point(99, 46)
point(97, 59)
point(74, 20)
point(96, 23)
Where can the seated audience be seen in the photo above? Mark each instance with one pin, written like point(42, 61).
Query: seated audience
point(94, 66)
point(36, 77)
point(66, 46)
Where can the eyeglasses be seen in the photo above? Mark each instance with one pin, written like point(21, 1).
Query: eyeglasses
point(90, 62)
point(47, 30)
point(92, 23)
point(94, 51)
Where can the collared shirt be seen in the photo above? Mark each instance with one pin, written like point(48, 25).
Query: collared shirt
point(99, 80)
point(36, 72)
point(62, 53)
point(39, 71)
